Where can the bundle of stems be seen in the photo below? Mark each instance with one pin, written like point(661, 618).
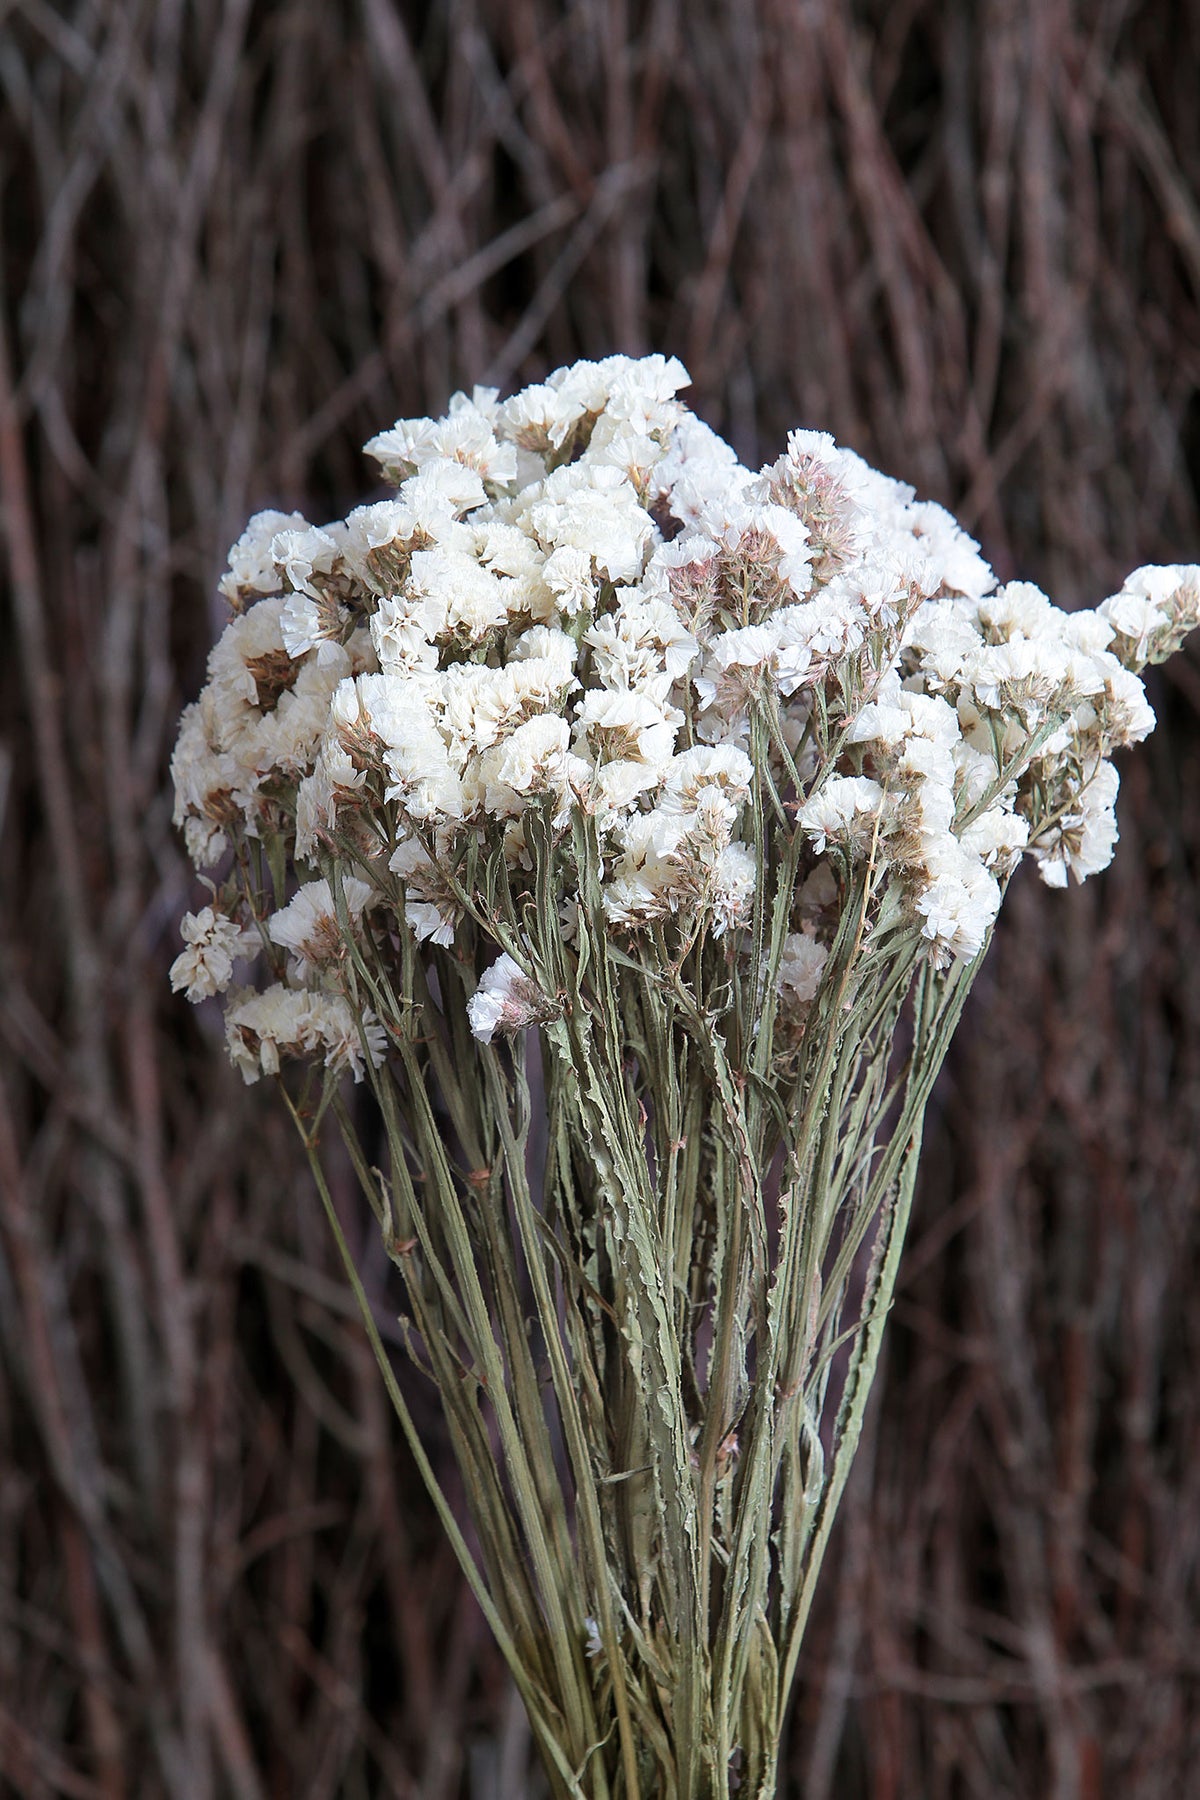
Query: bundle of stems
point(644, 1458)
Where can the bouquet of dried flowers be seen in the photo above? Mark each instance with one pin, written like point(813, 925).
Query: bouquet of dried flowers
point(633, 826)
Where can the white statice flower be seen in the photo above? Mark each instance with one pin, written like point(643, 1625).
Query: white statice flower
point(738, 667)
point(402, 628)
point(952, 558)
point(508, 552)
point(998, 837)
point(541, 418)
point(801, 966)
point(807, 480)
point(976, 776)
point(617, 444)
point(380, 539)
point(1082, 842)
point(479, 705)
point(763, 551)
point(581, 643)
point(505, 548)
point(641, 392)
point(595, 509)
point(213, 943)
point(550, 649)
point(616, 789)
point(687, 574)
point(1116, 700)
point(615, 725)
point(643, 886)
point(732, 889)
point(261, 1030)
point(506, 1001)
point(959, 902)
point(697, 468)
point(252, 570)
point(642, 644)
point(567, 573)
point(467, 437)
point(1026, 676)
point(703, 770)
point(661, 808)
point(924, 758)
point(401, 450)
point(829, 626)
point(941, 638)
point(682, 860)
point(1018, 609)
point(1087, 632)
point(304, 554)
point(203, 778)
point(308, 925)
point(1154, 611)
point(348, 1040)
point(431, 908)
point(881, 594)
point(391, 720)
point(931, 717)
point(846, 812)
point(335, 783)
point(312, 624)
point(249, 668)
point(922, 782)
point(462, 600)
point(882, 721)
point(533, 760)
point(421, 777)
point(636, 391)
point(259, 720)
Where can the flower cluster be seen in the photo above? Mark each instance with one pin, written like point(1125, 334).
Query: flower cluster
point(578, 617)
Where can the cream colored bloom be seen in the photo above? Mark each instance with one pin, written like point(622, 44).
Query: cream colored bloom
point(213, 943)
point(308, 925)
point(580, 620)
point(506, 1001)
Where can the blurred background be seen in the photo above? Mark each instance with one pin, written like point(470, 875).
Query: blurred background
point(238, 238)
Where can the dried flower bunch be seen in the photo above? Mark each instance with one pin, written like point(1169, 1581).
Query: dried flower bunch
point(634, 824)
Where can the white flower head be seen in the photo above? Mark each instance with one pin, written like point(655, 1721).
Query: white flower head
point(213, 944)
point(541, 418)
point(733, 887)
point(846, 811)
point(627, 726)
point(466, 437)
point(308, 925)
point(252, 569)
point(312, 624)
point(431, 907)
point(959, 903)
point(461, 599)
point(506, 1001)
point(1083, 841)
point(801, 965)
point(302, 555)
point(262, 1029)
point(567, 572)
point(582, 645)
